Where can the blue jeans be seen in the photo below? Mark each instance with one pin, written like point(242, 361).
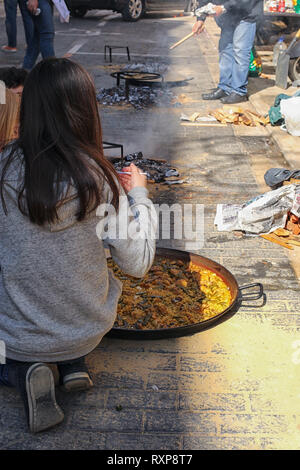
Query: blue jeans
point(235, 46)
point(11, 21)
point(42, 39)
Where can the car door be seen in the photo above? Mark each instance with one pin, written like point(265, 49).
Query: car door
point(166, 5)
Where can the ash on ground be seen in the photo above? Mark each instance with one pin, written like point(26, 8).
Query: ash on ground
point(150, 67)
point(138, 97)
point(158, 171)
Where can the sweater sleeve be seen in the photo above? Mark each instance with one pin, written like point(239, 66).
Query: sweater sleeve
point(130, 233)
point(202, 16)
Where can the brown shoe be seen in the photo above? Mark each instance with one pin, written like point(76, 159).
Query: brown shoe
point(9, 49)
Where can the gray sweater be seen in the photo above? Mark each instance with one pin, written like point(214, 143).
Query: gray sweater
point(57, 296)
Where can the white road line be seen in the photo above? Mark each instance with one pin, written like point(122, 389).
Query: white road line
point(76, 47)
point(78, 32)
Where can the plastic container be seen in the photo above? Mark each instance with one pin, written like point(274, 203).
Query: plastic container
point(279, 47)
point(297, 7)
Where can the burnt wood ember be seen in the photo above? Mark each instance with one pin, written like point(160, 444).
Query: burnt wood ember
point(156, 170)
point(150, 67)
point(138, 97)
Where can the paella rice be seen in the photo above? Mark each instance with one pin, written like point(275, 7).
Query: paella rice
point(173, 293)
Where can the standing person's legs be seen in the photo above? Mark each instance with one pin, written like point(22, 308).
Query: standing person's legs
point(45, 27)
point(11, 22)
point(32, 37)
point(27, 21)
point(226, 57)
point(243, 40)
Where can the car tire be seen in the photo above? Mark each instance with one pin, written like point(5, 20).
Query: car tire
point(78, 12)
point(134, 10)
point(294, 69)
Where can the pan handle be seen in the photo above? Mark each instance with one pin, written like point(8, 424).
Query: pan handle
point(255, 294)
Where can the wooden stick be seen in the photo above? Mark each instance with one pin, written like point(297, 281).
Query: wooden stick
point(203, 124)
point(272, 238)
point(182, 40)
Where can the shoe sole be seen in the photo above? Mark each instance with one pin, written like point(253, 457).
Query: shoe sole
point(44, 412)
point(212, 99)
point(76, 382)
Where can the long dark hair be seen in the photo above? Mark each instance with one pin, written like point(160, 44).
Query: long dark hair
point(61, 140)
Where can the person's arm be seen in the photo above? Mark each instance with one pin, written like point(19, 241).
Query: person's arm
point(198, 27)
point(130, 234)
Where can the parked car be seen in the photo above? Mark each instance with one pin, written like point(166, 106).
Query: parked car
point(131, 10)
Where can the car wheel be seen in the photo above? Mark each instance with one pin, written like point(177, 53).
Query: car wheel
point(78, 12)
point(294, 69)
point(134, 10)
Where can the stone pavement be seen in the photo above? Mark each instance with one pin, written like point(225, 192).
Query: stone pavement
point(235, 386)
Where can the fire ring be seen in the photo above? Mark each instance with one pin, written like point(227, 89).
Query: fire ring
point(137, 78)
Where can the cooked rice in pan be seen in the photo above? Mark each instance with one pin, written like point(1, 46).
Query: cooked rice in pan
point(173, 293)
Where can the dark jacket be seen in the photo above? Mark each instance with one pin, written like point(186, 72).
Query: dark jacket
point(238, 10)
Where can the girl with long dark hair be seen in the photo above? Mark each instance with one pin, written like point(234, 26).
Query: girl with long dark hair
point(57, 296)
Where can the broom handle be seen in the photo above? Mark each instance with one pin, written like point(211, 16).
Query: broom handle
point(182, 40)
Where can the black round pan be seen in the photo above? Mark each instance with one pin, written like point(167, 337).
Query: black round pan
point(206, 263)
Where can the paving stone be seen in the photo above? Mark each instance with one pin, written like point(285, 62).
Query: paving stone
point(155, 441)
point(137, 399)
point(198, 442)
point(94, 419)
point(233, 402)
point(252, 424)
point(180, 422)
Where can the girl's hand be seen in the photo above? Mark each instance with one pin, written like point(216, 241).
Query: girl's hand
point(133, 180)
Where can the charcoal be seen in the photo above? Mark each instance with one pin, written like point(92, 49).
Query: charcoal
point(138, 97)
point(150, 67)
point(134, 156)
point(155, 170)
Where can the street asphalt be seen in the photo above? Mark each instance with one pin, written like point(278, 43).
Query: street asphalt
point(234, 386)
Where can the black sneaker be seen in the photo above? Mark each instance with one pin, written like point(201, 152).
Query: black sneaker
point(234, 98)
point(215, 94)
point(42, 408)
point(74, 376)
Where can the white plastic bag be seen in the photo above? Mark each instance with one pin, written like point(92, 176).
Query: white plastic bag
point(64, 14)
point(290, 110)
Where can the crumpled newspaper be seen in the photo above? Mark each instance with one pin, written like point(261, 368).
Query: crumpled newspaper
point(261, 215)
point(208, 9)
